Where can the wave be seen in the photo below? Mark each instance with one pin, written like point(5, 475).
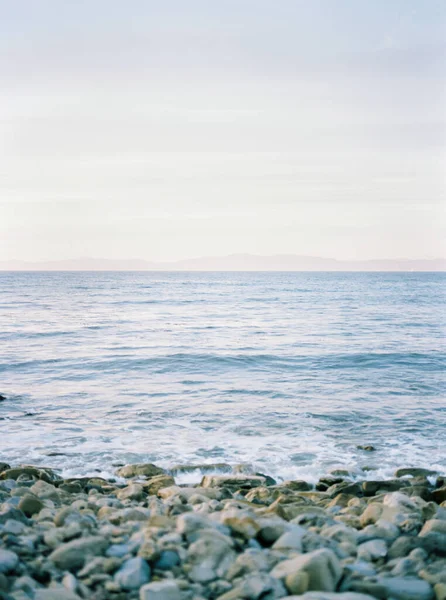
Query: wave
point(208, 362)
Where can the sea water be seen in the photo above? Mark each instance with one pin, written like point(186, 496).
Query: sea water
point(289, 372)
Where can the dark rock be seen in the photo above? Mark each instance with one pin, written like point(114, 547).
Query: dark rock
point(28, 473)
point(167, 560)
point(439, 495)
point(345, 487)
point(71, 488)
point(268, 480)
point(419, 490)
point(232, 481)
point(2, 397)
point(414, 472)
point(297, 486)
point(4, 466)
point(366, 448)
point(372, 488)
point(325, 482)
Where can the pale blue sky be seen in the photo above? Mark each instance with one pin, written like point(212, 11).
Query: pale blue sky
point(178, 129)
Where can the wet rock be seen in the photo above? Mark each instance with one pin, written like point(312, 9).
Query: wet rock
point(29, 472)
point(160, 590)
point(72, 555)
point(345, 487)
point(269, 481)
point(139, 470)
point(232, 481)
point(414, 472)
point(322, 567)
point(372, 488)
point(366, 448)
point(184, 493)
point(296, 486)
point(71, 488)
point(325, 482)
point(133, 574)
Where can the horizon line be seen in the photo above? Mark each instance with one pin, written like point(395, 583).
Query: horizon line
point(228, 263)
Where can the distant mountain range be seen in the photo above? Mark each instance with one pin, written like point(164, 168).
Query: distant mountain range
point(234, 262)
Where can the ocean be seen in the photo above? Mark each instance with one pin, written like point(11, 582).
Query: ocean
point(289, 372)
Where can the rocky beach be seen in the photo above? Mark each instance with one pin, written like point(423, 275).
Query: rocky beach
point(235, 534)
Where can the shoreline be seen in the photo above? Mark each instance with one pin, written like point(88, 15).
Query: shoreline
point(144, 535)
point(369, 468)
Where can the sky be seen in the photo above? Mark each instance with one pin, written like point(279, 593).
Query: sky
point(168, 130)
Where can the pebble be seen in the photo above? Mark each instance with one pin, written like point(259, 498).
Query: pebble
point(373, 550)
point(30, 505)
point(8, 561)
point(133, 574)
point(55, 594)
point(72, 555)
point(322, 567)
point(160, 590)
point(237, 535)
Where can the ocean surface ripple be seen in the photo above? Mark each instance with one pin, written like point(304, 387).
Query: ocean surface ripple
point(287, 371)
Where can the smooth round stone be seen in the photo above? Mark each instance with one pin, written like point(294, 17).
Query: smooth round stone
point(30, 505)
point(8, 561)
point(133, 574)
point(167, 560)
